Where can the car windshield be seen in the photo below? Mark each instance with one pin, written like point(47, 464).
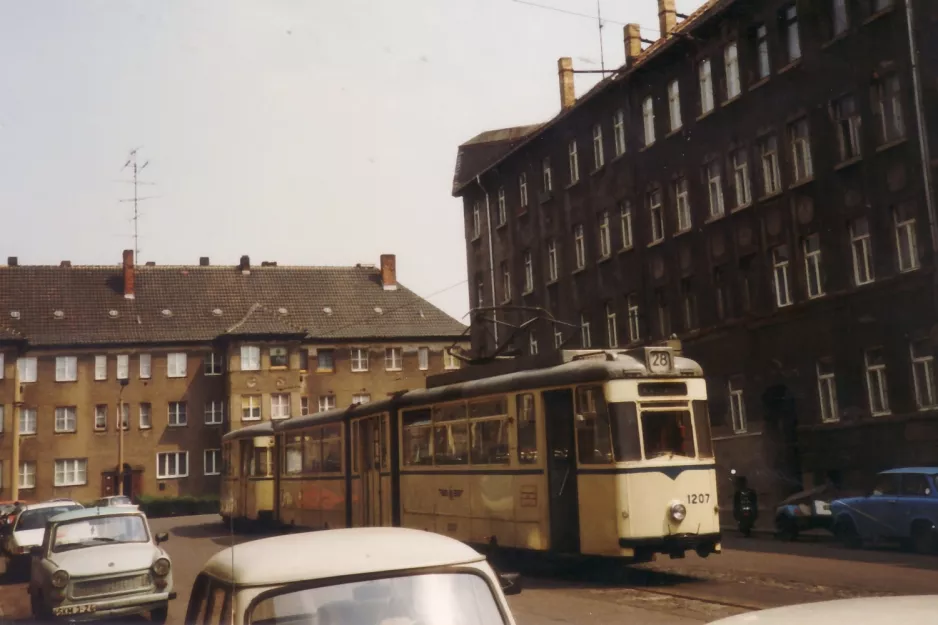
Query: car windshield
point(36, 519)
point(99, 531)
point(437, 599)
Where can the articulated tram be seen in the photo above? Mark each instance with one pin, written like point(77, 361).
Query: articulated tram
point(607, 453)
point(248, 491)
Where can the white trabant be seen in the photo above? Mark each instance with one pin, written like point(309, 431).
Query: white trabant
point(98, 563)
point(379, 576)
point(911, 610)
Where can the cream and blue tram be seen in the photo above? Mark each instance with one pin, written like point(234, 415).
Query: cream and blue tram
point(248, 489)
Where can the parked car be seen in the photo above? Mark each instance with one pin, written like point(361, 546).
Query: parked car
point(356, 575)
point(115, 500)
point(917, 610)
point(903, 506)
point(807, 510)
point(27, 528)
point(99, 563)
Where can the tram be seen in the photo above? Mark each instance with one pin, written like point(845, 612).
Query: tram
point(248, 490)
point(605, 453)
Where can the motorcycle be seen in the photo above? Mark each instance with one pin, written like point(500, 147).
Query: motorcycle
point(745, 508)
point(747, 518)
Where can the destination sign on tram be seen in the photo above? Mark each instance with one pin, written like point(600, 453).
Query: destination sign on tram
point(660, 361)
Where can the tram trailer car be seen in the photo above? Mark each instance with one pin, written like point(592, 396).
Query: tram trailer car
point(607, 453)
point(248, 488)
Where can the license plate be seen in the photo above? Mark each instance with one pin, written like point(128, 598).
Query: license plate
point(68, 610)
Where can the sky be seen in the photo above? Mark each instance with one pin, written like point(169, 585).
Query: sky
point(299, 131)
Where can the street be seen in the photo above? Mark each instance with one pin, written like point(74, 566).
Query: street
point(754, 573)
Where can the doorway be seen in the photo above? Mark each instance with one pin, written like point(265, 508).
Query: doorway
point(371, 460)
point(561, 471)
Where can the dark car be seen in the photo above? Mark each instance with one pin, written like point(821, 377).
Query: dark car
point(807, 510)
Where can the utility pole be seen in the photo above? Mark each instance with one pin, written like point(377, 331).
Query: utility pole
point(136, 199)
point(120, 436)
point(17, 411)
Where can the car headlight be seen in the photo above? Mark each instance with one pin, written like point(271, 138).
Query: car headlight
point(60, 578)
point(161, 567)
point(678, 511)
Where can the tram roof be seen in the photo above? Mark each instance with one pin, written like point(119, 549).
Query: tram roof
point(258, 429)
point(336, 414)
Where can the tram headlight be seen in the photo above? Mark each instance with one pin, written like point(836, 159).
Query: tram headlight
point(678, 511)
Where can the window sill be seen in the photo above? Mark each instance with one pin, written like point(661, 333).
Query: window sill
point(706, 114)
point(527, 292)
point(770, 196)
point(802, 182)
point(881, 414)
point(626, 249)
point(170, 477)
point(177, 425)
point(847, 163)
point(714, 218)
point(618, 157)
point(66, 381)
point(598, 169)
point(553, 282)
point(359, 370)
point(250, 419)
point(279, 418)
point(759, 83)
point(835, 39)
point(647, 146)
point(476, 238)
point(64, 431)
point(879, 15)
point(523, 211)
point(604, 259)
point(677, 131)
point(146, 427)
point(324, 371)
point(909, 270)
point(182, 377)
point(100, 430)
point(502, 225)
point(578, 271)
point(655, 243)
point(740, 208)
point(572, 184)
point(891, 144)
point(546, 197)
point(790, 66)
point(681, 232)
point(214, 424)
point(729, 101)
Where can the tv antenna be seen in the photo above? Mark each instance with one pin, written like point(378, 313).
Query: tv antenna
point(600, 22)
point(135, 165)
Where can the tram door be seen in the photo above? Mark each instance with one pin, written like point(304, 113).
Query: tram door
point(561, 471)
point(244, 492)
point(370, 444)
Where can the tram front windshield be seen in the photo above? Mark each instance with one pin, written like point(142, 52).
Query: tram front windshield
point(667, 433)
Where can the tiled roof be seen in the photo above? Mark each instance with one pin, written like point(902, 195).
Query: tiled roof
point(196, 303)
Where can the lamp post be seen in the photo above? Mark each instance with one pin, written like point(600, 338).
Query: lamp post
point(120, 436)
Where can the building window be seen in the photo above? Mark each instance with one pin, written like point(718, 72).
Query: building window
point(812, 265)
point(715, 188)
point(552, 269)
point(574, 163)
point(740, 161)
point(176, 365)
point(840, 20)
point(771, 176)
point(558, 338)
point(719, 292)
point(862, 251)
point(66, 368)
point(210, 459)
point(361, 398)
point(393, 359)
point(664, 315)
point(737, 407)
point(123, 366)
point(423, 358)
point(27, 369)
point(657, 215)
point(528, 272)
point(71, 472)
point(827, 391)
point(325, 360)
point(480, 293)
point(887, 107)
point(682, 205)
point(801, 150)
point(648, 120)
point(532, 343)
point(906, 242)
point(523, 189)
point(586, 340)
point(145, 366)
point(304, 406)
point(214, 364)
point(792, 37)
point(250, 407)
point(876, 381)
point(124, 411)
point(612, 331)
point(28, 421)
point(923, 374)
point(100, 417)
point(634, 327)
point(65, 420)
point(579, 246)
point(705, 78)
point(689, 304)
point(27, 475)
point(502, 207)
point(100, 367)
point(145, 420)
point(177, 413)
point(506, 281)
point(763, 64)
point(599, 156)
point(618, 128)
point(781, 277)
point(280, 406)
point(359, 359)
point(450, 361)
point(547, 179)
point(625, 223)
point(214, 412)
point(605, 240)
point(847, 118)
point(279, 357)
point(746, 279)
point(172, 464)
point(674, 104)
point(326, 402)
point(476, 220)
point(304, 359)
point(731, 60)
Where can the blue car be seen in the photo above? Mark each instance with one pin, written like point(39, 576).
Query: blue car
point(902, 507)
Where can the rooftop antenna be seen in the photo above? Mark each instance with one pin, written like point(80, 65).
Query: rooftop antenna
point(134, 164)
point(602, 56)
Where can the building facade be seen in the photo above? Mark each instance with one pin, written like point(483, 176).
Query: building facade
point(756, 182)
point(185, 354)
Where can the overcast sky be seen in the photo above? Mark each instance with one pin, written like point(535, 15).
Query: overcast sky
point(302, 131)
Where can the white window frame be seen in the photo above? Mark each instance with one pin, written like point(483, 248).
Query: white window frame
point(523, 189)
point(361, 398)
point(781, 276)
point(450, 362)
point(547, 176)
point(528, 272)
point(731, 63)
point(558, 338)
point(180, 417)
point(862, 249)
point(70, 472)
point(574, 162)
point(279, 406)
point(360, 359)
point(552, 268)
point(737, 409)
point(66, 419)
point(506, 281)
point(177, 365)
point(599, 155)
point(634, 307)
point(715, 189)
point(814, 278)
point(605, 238)
point(252, 403)
point(321, 353)
point(162, 465)
point(840, 17)
point(480, 293)
point(612, 329)
point(214, 364)
point(393, 358)
point(27, 475)
point(625, 224)
point(502, 207)
point(682, 205)
point(740, 160)
point(763, 60)
point(304, 405)
point(674, 105)
point(100, 417)
point(705, 80)
point(887, 107)
point(100, 367)
point(579, 246)
point(532, 344)
point(586, 340)
point(123, 415)
point(145, 365)
point(28, 369)
point(923, 376)
point(847, 119)
point(657, 215)
point(214, 412)
point(66, 368)
point(476, 220)
point(145, 409)
point(876, 376)
point(326, 402)
point(792, 33)
point(771, 173)
point(29, 421)
point(215, 456)
point(827, 392)
point(423, 358)
point(278, 353)
point(802, 163)
point(648, 120)
point(618, 131)
point(123, 366)
point(905, 229)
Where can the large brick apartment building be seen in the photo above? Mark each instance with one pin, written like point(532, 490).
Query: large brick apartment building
point(757, 182)
point(190, 352)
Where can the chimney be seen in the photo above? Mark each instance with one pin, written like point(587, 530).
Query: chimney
point(633, 43)
point(667, 16)
point(203, 261)
point(245, 266)
point(13, 261)
point(65, 263)
point(389, 272)
point(129, 274)
point(151, 263)
point(565, 74)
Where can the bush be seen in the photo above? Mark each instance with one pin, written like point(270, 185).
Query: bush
point(156, 507)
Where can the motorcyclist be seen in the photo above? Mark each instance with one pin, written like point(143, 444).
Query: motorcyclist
point(745, 499)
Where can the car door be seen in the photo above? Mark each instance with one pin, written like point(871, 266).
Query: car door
point(872, 513)
point(914, 503)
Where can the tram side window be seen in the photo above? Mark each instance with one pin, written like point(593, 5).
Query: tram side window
point(593, 432)
point(417, 432)
point(625, 439)
point(527, 429)
point(332, 448)
point(385, 461)
point(260, 466)
point(226, 460)
point(312, 451)
point(702, 429)
point(450, 435)
point(488, 428)
point(293, 455)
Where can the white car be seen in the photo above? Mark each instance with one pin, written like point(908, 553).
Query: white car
point(99, 563)
point(26, 530)
point(380, 575)
point(115, 500)
point(912, 610)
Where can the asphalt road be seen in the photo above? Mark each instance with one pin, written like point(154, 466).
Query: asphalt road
point(751, 574)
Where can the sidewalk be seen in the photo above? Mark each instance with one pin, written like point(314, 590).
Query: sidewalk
point(813, 535)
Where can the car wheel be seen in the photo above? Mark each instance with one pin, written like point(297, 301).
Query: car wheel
point(846, 532)
point(159, 615)
point(924, 540)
